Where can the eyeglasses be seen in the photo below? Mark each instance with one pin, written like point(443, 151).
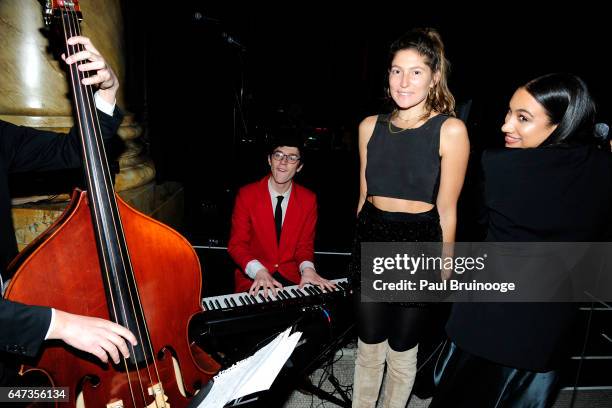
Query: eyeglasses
point(291, 158)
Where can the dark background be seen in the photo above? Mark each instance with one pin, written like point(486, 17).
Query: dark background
point(211, 83)
point(210, 105)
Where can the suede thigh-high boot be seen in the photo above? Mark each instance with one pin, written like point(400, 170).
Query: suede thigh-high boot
point(401, 372)
point(369, 368)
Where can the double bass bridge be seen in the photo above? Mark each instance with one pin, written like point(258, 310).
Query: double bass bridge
point(156, 390)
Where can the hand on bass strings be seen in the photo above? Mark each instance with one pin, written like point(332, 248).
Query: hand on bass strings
point(91, 334)
point(90, 60)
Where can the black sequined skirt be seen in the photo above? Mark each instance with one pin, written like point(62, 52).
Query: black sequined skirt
point(376, 225)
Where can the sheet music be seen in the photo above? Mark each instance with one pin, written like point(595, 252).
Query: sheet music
point(254, 373)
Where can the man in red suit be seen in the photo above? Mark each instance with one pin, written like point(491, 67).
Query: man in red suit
point(273, 227)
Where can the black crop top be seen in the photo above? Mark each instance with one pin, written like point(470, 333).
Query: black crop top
point(405, 163)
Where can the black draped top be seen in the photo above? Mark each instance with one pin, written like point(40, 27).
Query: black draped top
point(554, 194)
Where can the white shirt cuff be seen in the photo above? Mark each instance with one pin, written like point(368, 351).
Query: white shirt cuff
point(306, 264)
point(51, 323)
point(104, 106)
point(252, 268)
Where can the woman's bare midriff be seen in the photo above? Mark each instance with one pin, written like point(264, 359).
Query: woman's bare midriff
point(398, 205)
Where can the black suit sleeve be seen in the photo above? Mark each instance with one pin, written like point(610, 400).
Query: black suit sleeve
point(27, 149)
point(23, 327)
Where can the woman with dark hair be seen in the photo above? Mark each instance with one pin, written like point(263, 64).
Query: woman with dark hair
point(569, 109)
point(552, 183)
point(413, 162)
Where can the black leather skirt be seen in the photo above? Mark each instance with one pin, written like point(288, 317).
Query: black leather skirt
point(464, 380)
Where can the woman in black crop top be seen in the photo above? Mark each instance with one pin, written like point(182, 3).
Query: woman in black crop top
point(413, 162)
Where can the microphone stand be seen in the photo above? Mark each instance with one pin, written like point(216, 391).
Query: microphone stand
point(238, 108)
point(238, 111)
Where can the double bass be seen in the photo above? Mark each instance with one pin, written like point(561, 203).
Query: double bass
point(104, 259)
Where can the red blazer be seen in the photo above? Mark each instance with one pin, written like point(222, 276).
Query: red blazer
point(253, 234)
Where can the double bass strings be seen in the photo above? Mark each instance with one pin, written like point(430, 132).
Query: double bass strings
point(71, 28)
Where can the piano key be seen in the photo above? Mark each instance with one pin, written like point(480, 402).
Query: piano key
point(288, 293)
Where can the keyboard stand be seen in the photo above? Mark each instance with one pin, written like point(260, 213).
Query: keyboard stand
point(307, 386)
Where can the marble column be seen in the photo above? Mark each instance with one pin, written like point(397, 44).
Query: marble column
point(34, 92)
